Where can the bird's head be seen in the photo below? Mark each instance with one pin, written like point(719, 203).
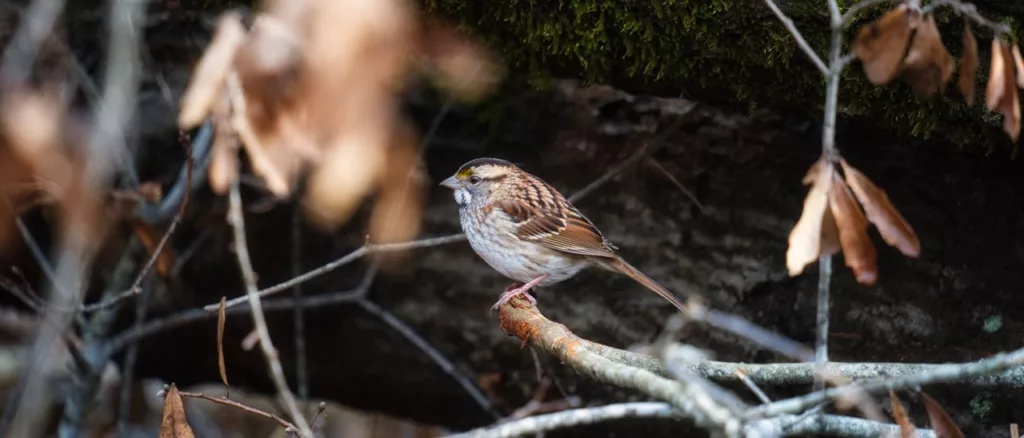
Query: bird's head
point(477, 178)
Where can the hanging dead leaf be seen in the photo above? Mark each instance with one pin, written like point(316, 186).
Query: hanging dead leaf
point(1018, 62)
point(928, 66)
point(941, 422)
point(174, 423)
point(968, 65)
point(829, 234)
point(880, 46)
point(207, 83)
point(879, 210)
point(1001, 90)
point(221, 317)
point(805, 238)
point(150, 237)
point(858, 251)
point(907, 429)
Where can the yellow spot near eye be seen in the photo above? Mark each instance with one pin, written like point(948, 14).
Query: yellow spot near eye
point(464, 173)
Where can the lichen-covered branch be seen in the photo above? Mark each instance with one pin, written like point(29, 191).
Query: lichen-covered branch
point(692, 401)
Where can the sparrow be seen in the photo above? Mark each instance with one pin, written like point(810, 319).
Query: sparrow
point(529, 232)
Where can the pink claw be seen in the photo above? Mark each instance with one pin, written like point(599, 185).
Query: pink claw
point(513, 291)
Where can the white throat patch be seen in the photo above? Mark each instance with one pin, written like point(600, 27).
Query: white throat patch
point(463, 197)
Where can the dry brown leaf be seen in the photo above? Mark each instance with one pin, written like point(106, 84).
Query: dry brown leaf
point(461, 65)
point(829, 234)
point(1014, 432)
point(907, 429)
point(805, 238)
point(1018, 62)
point(150, 238)
point(968, 65)
point(221, 317)
point(858, 251)
point(880, 46)
point(1001, 90)
point(174, 423)
point(879, 210)
point(941, 422)
point(928, 66)
point(207, 83)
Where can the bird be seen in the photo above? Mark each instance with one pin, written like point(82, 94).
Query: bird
point(529, 232)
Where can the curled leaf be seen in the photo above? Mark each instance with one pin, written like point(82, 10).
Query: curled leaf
point(907, 429)
point(941, 422)
point(858, 251)
point(1001, 90)
point(968, 65)
point(880, 46)
point(221, 317)
point(805, 238)
point(1019, 63)
point(928, 66)
point(879, 210)
point(174, 423)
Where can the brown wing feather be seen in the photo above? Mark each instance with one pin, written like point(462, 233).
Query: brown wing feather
point(547, 218)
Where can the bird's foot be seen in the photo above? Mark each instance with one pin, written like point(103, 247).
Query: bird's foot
point(518, 289)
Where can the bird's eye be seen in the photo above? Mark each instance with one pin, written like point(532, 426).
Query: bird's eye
point(474, 179)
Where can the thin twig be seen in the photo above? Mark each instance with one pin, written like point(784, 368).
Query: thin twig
point(800, 41)
point(266, 344)
point(678, 184)
point(128, 370)
point(105, 143)
point(753, 386)
point(287, 425)
point(298, 313)
point(135, 289)
point(572, 418)
point(446, 365)
point(362, 251)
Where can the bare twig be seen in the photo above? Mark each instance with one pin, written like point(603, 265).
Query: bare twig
point(135, 287)
point(678, 184)
point(298, 313)
point(826, 425)
point(800, 41)
point(571, 418)
point(20, 55)
point(969, 10)
point(266, 344)
point(753, 386)
point(821, 335)
point(939, 374)
point(362, 251)
point(446, 365)
point(128, 370)
point(692, 401)
point(287, 425)
point(105, 143)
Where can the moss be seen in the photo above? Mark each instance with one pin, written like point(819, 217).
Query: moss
point(710, 49)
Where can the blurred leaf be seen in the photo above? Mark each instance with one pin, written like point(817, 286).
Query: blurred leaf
point(968, 65)
point(941, 422)
point(805, 238)
point(858, 251)
point(890, 223)
point(928, 66)
point(880, 46)
point(221, 317)
point(1001, 91)
point(907, 429)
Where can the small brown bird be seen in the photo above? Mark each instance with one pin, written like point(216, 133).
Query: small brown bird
point(529, 232)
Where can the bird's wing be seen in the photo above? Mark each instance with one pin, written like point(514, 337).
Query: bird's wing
point(556, 225)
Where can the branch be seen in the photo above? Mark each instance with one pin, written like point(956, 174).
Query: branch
point(800, 41)
point(570, 418)
point(693, 402)
point(991, 367)
point(826, 425)
point(370, 248)
point(228, 402)
point(266, 344)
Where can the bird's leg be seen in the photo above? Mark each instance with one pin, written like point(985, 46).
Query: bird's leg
point(517, 289)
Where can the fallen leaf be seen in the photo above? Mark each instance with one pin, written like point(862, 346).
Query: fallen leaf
point(881, 45)
point(805, 238)
point(1001, 90)
point(941, 422)
point(174, 423)
point(858, 251)
point(207, 83)
point(968, 65)
point(928, 66)
point(907, 429)
point(221, 317)
point(879, 210)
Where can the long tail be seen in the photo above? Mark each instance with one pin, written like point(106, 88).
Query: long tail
point(619, 265)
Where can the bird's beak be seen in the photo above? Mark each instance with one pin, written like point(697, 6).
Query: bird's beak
point(451, 183)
